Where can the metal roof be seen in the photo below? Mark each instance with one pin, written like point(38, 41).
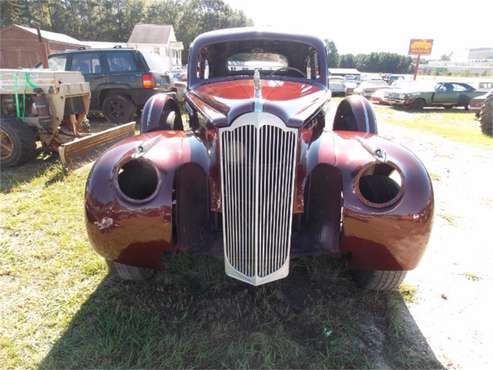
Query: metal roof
point(150, 34)
point(52, 36)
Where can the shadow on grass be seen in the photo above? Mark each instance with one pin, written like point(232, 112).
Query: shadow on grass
point(16, 176)
point(192, 316)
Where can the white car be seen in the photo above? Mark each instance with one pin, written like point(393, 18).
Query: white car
point(337, 85)
point(368, 87)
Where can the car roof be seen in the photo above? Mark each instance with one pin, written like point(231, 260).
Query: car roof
point(93, 51)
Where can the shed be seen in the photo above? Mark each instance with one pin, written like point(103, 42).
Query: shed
point(20, 47)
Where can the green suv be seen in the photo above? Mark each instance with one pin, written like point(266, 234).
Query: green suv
point(443, 94)
point(121, 79)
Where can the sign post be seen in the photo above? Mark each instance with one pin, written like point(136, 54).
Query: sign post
point(420, 47)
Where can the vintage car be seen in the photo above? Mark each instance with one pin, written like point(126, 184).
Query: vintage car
point(367, 88)
point(261, 174)
point(381, 96)
point(337, 85)
point(442, 94)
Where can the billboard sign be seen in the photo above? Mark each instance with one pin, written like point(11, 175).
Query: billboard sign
point(420, 46)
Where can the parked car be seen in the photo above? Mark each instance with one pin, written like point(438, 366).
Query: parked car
point(381, 96)
point(442, 94)
point(391, 78)
point(259, 180)
point(121, 79)
point(368, 87)
point(337, 85)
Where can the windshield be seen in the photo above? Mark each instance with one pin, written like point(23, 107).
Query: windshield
point(273, 58)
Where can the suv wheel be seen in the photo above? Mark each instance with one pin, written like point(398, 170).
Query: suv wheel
point(118, 109)
point(17, 142)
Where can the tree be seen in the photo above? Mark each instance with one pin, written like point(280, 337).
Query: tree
point(332, 53)
point(377, 62)
point(10, 12)
point(347, 61)
point(114, 20)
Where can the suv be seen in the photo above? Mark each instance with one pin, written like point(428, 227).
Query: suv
point(121, 79)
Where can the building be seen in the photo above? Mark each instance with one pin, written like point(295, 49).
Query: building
point(20, 46)
point(481, 54)
point(159, 39)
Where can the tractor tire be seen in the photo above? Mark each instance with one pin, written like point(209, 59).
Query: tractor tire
point(131, 273)
point(486, 116)
point(18, 142)
point(379, 280)
point(118, 109)
point(418, 104)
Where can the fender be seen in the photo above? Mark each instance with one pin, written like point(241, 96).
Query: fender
point(392, 237)
point(137, 232)
point(156, 110)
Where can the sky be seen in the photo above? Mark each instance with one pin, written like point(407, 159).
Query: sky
point(381, 25)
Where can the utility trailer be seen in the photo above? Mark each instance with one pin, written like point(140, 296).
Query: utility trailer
point(49, 107)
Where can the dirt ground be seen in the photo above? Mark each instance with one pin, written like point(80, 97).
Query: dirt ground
point(454, 281)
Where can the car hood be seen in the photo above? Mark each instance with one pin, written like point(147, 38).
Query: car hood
point(293, 102)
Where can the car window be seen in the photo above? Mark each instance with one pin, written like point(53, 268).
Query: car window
point(86, 63)
point(440, 88)
point(458, 87)
point(252, 61)
point(121, 61)
point(57, 62)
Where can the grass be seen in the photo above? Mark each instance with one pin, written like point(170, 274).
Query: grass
point(471, 276)
point(408, 292)
point(457, 125)
point(59, 308)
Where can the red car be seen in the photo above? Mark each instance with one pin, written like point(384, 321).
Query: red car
point(261, 175)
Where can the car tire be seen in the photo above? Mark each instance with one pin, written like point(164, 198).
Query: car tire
point(378, 280)
point(18, 142)
point(418, 104)
point(118, 109)
point(131, 273)
point(486, 116)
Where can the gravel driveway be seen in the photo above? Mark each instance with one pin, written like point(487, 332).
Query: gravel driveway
point(454, 303)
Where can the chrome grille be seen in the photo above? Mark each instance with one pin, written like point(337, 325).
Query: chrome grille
point(257, 176)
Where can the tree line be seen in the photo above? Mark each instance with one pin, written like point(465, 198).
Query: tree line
point(380, 62)
point(114, 20)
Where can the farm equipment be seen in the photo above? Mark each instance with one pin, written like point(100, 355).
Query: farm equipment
point(50, 107)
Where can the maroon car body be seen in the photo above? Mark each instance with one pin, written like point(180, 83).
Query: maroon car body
point(261, 174)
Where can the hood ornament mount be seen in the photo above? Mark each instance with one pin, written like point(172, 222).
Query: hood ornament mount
point(257, 91)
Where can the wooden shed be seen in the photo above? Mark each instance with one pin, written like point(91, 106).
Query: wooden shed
point(20, 46)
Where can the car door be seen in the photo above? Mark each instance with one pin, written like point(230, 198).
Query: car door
point(444, 94)
point(89, 64)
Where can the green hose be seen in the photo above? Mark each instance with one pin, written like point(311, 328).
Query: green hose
point(20, 109)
